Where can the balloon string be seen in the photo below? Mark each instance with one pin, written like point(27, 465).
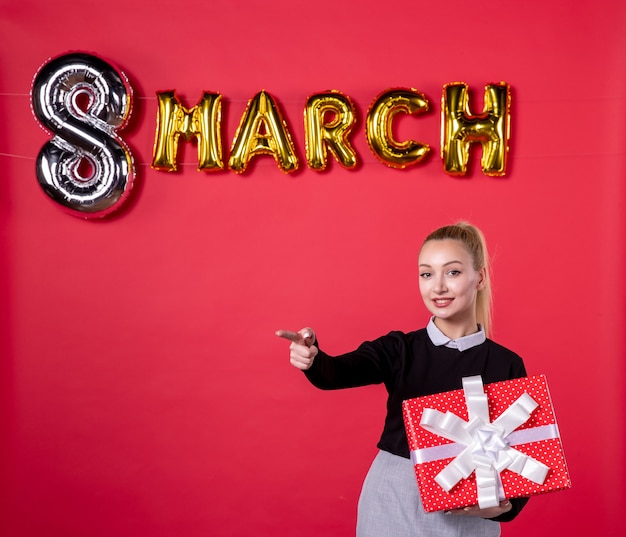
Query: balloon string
point(374, 161)
point(529, 100)
point(154, 99)
point(16, 156)
point(371, 161)
point(25, 157)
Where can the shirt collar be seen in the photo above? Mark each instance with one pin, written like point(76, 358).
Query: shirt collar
point(463, 343)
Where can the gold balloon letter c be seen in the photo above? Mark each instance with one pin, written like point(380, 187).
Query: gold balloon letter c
point(379, 127)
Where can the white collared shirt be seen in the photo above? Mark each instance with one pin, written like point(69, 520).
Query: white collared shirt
point(463, 343)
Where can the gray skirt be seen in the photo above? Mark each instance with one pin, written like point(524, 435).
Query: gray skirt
point(390, 506)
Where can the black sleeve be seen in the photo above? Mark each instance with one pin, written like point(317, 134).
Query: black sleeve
point(370, 363)
point(357, 368)
point(519, 370)
point(518, 504)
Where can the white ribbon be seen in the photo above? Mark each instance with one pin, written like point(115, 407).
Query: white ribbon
point(485, 447)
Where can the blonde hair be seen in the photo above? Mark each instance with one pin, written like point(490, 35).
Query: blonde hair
point(474, 242)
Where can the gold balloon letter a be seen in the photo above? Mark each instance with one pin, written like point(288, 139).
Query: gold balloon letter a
point(202, 121)
point(262, 131)
point(460, 128)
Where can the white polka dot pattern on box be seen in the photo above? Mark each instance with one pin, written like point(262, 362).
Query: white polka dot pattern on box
point(500, 396)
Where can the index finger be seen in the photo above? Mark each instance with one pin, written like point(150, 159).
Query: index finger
point(291, 336)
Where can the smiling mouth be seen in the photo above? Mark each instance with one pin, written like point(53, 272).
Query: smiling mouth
point(442, 302)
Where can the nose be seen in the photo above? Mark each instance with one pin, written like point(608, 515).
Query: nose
point(440, 284)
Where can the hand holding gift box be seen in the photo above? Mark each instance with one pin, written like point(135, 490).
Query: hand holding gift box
point(481, 444)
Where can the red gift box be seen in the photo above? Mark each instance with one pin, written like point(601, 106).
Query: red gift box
point(483, 444)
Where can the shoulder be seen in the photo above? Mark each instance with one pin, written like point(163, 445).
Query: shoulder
point(501, 349)
point(397, 337)
point(505, 355)
point(397, 345)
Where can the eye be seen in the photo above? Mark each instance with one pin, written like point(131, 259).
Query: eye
point(425, 275)
point(454, 272)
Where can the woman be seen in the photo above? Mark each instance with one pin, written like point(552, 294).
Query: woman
point(455, 287)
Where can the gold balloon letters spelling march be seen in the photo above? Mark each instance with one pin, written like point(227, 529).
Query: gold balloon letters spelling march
point(328, 122)
point(88, 169)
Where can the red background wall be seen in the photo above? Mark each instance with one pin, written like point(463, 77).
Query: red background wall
point(142, 389)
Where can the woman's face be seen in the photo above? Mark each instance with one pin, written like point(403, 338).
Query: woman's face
point(449, 283)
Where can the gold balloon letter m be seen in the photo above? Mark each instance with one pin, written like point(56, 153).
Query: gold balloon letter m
point(460, 128)
point(201, 121)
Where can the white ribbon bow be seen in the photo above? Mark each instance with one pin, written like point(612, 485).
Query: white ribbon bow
point(487, 445)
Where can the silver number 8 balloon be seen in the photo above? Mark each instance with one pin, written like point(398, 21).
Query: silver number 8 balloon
point(83, 101)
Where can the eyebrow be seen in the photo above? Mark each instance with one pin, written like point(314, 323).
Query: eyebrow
point(445, 264)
